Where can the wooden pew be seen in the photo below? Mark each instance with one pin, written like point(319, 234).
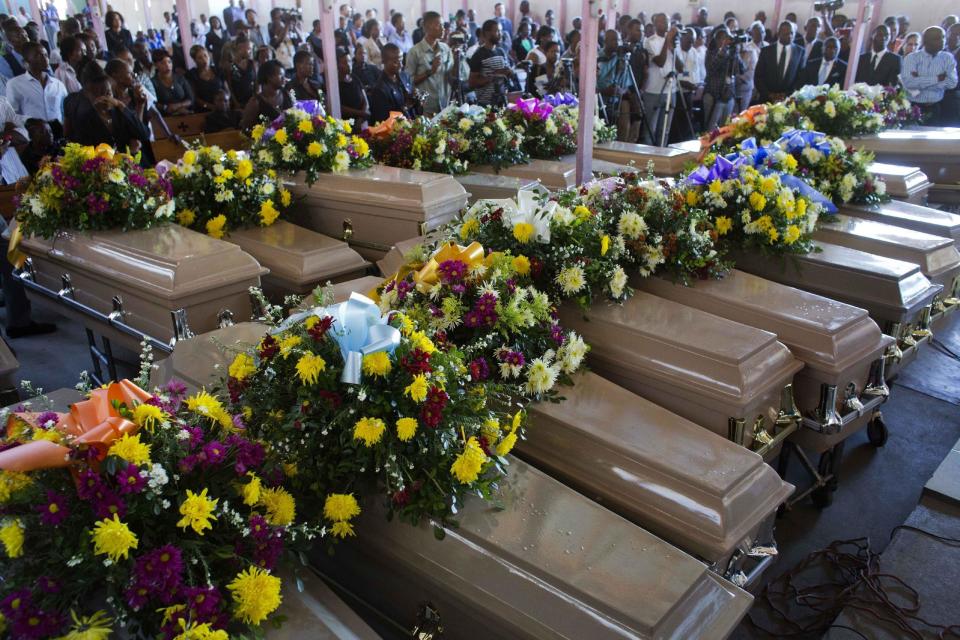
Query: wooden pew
point(184, 126)
point(7, 210)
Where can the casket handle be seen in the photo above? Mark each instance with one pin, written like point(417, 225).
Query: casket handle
point(66, 287)
point(225, 318)
point(118, 314)
point(429, 625)
point(181, 328)
point(28, 272)
point(347, 229)
point(923, 331)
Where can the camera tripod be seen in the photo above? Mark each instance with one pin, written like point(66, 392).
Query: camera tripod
point(615, 105)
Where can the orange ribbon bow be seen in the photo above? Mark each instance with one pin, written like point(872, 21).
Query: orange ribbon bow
point(383, 129)
point(93, 422)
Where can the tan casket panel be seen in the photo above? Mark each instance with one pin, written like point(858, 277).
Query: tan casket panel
point(155, 271)
point(481, 186)
point(555, 175)
point(298, 259)
point(202, 361)
point(550, 565)
point(638, 459)
point(909, 216)
point(316, 612)
point(933, 151)
point(700, 366)
point(902, 182)
point(667, 161)
point(373, 208)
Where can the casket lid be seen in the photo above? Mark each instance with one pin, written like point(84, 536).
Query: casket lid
point(395, 258)
point(481, 185)
point(901, 180)
point(390, 191)
point(908, 141)
point(202, 360)
point(692, 487)
point(169, 261)
point(552, 564)
point(666, 160)
point(316, 612)
point(296, 253)
point(554, 174)
point(935, 255)
point(909, 216)
point(825, 334)
point(714, 357)
point(863, 279)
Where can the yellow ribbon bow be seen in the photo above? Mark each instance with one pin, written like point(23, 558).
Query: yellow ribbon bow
point(428, 275)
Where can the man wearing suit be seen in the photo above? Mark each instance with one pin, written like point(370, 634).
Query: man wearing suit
point(779, 66)
point(811, 42)
point(879, 65)
point(827, 69)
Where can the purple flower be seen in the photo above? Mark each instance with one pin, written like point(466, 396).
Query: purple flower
point(54, 510)
point(556, 332)
point(49, 584)
point(479, 369)
point(484, 312)
point(203, 602)
point(48, 416)
point(138, 180)
point(157, 575)
point(27, 621)
point(452, 271)
point(88, 484)
point(514, 358)
point(196, 436)
point(106, 503)
point(259, 529)
point(130, 481)
point(249, 455)
point(213, 453)
point(267, 552)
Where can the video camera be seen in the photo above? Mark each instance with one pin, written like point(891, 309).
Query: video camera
point(740, 37)
point(829, 5)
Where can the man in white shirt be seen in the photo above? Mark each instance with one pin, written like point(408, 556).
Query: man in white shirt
point(828, 69)
point(37, 94)
point(660, 85)
point(398, 33)
point(812, 43)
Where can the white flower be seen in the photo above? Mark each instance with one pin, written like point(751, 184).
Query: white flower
point(573, 351)
point(265, 157)
point(653, 257)
point(441, 147)
point(289, 153)
point(563, 216)
point(541, 376)
point(880, 187)
point(830, 109)
point(631, 226)
point(116, 176)
point(341, 162)
point(550, 126)
point(527, 210)
point(267, 189)
point(813, 156)
point(465, 124)
point(571, 279)
point(223, 196)
point(508, 370)
point(487, 131)
point(217, 169)
point(165, 210)
point(158, 475)
point(36, 207)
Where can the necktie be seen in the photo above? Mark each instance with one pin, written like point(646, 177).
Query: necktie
point(782, 64)
point(823, 72)
point(876, 59)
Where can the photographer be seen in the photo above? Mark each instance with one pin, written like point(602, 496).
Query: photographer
point(660, 72)
point(724, 64)
point(616, 88)
point(490, 70)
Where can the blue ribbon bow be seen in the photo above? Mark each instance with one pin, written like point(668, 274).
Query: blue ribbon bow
point(797, 140)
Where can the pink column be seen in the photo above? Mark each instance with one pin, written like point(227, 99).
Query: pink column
point(588, 91)
point(38, 18)
point(777, 9)
point(444, 10)
point(856, 43)
point(97, 20)
point(423, 9)
point(331, 76)
point(876, 16)
point(385, 18)
point(184, 16)
point(562, 18)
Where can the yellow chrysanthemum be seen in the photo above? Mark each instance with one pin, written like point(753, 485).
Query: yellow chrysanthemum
point(197, 511)
point(186, 217)
point(342, 529)
point(422, 342)
point(207, 406)
point(189, 157)
point(113, 538)
point(406, 428)
point(280, 505)
point(215, 226)
point(256, 594)
point(346, 126)
point(268, 213)
point(377, 364)
point(128, 447)
point(792, 234)
point(149, 416)
point(195, 631)
point(773, 234)
point(604, 245)
point(11, 482)
point(716, 187)
point(506, 445)
point(369, 430)
point(801, 207)
point(242, 367)
point(280, 136)
point(757, 201)
point(285, 197)
point(523, 232)
point(693, 198)
point(287, 343)
point(11, 535)
point(341, 141)
point(521, 264)
point(417, 390)
point(258, 131)
point(315, 149)
point(790, 163)
point(305, 126)
point(723, 225)
point(768, 185)
point(244, 169)
point(582, 213)
point(250, 492)
point(340, 507)
point(467, 466)
point(92, 627)
point(290, 469)
point(468, 228)
point(309, 367)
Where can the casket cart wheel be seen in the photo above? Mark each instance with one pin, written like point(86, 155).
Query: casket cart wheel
point(877, 431)
point(823, 496)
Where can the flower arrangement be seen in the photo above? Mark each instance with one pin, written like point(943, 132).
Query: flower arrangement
point(360, 405)
point(544, 134)
point(91, 189)
point(303, 139)
point(566, 108)
point(750, 209)
point(152, 514)
point(676, 240)
point(891, 103)
point(486, 305)
point(418, 144)
point(834, 111)
point(572, 251)
point(482, 135)
point(218, 191)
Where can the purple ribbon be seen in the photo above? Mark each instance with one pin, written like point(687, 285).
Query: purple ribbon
point(724, 168)
point(561, 99)
point(533, 108)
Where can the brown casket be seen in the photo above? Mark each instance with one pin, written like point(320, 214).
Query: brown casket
point(555, 175)
point(481, 186)
point(909, 184)
point(722, 375)
point(549, 564)
point(298, 259)
point(936, 256)
point(140, 278)
point(895, 293)
point(909, 216)
point(706, 495)
point(841, 385)
point(934, 151)
point(665, 161)
point(373, 208)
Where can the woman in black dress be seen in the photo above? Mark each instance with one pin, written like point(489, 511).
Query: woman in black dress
point(243, 72)
point(174, 95)
point(271, 101)
point(117, 37)
point(302, 85)
point(204, 79)
point(214, 40)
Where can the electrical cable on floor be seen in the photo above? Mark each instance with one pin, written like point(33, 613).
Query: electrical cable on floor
point(943, 348)
point(854, 581)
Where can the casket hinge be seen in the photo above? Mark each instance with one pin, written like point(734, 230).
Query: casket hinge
point(181, 328)
point(347, 229)
point(66, 287)
point(877, 382)
point(28, 271)
point(118, 314)
point(429, 626)
point(923, 331)
point(225, 318)
point(826, 414)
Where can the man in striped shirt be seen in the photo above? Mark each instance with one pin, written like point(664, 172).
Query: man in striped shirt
point(927, 73)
